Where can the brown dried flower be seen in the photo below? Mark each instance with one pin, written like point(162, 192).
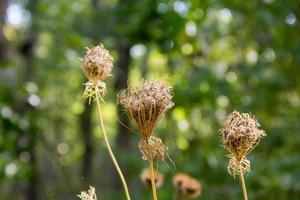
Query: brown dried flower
point(146, 104)
point(240, 135)
point(146, 178)
point(152, 148)
point(187, 186)
point(97, 63)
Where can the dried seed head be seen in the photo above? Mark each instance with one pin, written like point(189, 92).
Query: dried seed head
point(146, 178)
point(241, 134)
point(146, 104)
point(88, 195)
point(187, 186)
point(152, 148)
point(97, 63)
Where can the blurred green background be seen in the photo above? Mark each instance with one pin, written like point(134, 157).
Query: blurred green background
point(218, 56)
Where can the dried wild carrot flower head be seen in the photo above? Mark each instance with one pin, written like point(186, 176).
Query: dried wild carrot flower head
point(97, 66)
point(187, 186)
point(240, 135)
point(146, 104)
point(88, 195)
point(146, 178)
point(152, 148)
point(97, 63)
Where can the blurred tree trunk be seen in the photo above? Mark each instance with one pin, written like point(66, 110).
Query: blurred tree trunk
point(86, 129)
point(123, 136)
point(26, 50)
point(3, 7)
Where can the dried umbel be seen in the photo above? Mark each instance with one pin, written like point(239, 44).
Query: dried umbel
point(97, 66)
point(146, 178)
point(152, 148)
point(88, 195)
point(186, 186)
point(240, 135)
point(97, 63)
point(146, 104)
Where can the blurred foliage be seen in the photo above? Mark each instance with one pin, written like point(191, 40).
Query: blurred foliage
point(219, 56)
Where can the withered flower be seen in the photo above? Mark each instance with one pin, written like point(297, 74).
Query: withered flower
point(146, 104)
point(146, 178)
point(240, 135)
point(186, 186)
point(97, 63)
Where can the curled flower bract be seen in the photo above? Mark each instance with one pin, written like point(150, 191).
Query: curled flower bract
point(152, 148)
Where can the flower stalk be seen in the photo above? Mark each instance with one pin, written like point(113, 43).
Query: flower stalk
point(146, 105)
point(153, 186)
point(240, 135)
point(243, 186)
point(97, 66)
point(111, 154)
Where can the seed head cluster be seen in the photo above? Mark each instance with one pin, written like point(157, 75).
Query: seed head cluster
point(97, 63)
point(186, 186)
point(146, 104)
point(152, 148)
point(145, 177)
point(240, 135)
point(97, 66)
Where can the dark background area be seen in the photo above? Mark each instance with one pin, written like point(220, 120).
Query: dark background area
point(218, 56)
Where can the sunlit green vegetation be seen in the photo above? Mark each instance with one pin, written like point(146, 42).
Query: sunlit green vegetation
point(218, 56)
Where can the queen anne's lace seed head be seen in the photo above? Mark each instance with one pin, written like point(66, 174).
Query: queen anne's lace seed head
point(240, 135)
point(97, 63)
point(146, 178)
point(146, 104)
point(187, 186)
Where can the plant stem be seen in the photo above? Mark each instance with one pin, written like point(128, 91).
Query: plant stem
point(243, 185)
point(152, 180)
point(109, 148)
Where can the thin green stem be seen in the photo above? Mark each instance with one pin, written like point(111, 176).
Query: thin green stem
point(243, 185)
point(109, 148)
point(151, 169)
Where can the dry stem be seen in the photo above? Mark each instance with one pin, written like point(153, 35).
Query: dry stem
point(154, 193)
point(108, 146)
point(243, 185)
